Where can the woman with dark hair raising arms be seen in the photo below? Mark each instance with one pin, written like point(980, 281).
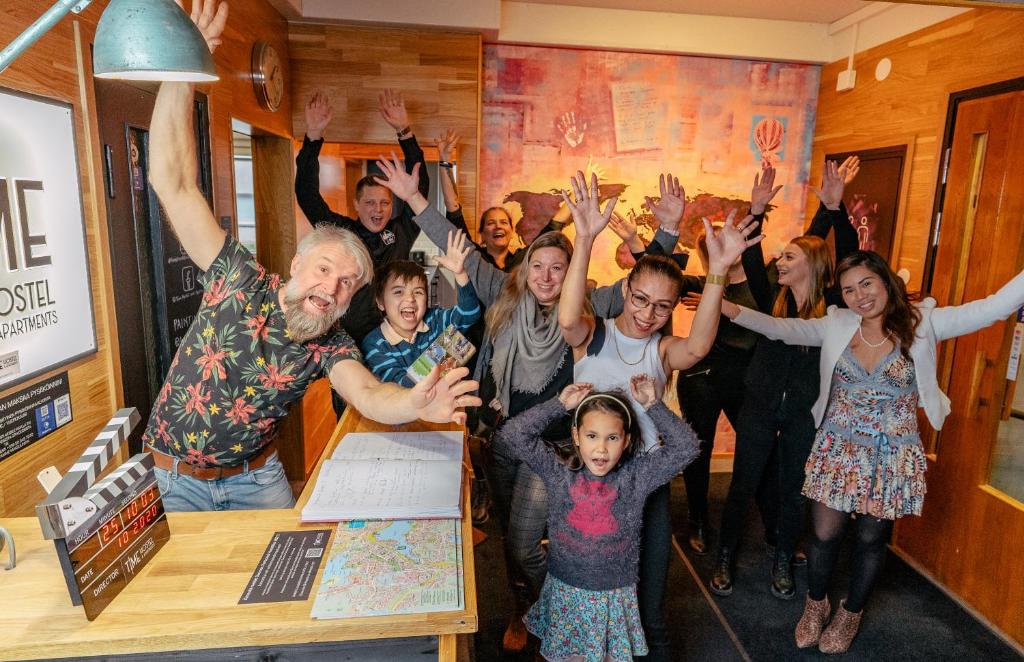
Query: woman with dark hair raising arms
point(878, 362)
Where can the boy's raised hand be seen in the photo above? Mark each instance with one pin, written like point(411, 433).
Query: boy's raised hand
point(392, 109)
point(318, 115)
point(573, 394)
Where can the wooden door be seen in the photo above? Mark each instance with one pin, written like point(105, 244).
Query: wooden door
point(971, 534)
point(156, 289)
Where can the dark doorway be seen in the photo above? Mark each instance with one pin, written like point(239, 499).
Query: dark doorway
point(156, 290)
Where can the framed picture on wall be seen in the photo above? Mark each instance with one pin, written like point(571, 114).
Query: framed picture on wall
point(46, 313)
point(872, 199)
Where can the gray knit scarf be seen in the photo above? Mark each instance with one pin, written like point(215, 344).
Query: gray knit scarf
point(528, 351)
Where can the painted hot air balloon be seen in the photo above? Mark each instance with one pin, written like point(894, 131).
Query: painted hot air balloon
point(768, 136)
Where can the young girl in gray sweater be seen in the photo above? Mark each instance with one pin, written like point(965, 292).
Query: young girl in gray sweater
point(588, 609)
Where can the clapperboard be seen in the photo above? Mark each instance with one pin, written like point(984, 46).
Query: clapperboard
point(105, 531)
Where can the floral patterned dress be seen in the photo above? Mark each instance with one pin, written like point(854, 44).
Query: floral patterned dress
point(867, 456)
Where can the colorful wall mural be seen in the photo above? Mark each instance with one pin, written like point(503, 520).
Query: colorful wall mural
point(548, 112)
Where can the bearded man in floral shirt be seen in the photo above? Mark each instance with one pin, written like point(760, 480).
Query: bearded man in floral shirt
point(257, 343)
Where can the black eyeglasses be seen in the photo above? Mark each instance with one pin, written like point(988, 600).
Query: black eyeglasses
point(661, 309)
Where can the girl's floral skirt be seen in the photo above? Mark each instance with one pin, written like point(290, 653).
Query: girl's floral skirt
point(579, 624)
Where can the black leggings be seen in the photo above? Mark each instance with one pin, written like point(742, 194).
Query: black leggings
point(705, 391)
point(787, 433)
point(871, 533)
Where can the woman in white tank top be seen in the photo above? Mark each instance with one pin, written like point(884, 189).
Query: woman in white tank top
point(608, 353)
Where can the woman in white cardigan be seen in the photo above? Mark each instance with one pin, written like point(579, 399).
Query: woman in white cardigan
point(877, 366)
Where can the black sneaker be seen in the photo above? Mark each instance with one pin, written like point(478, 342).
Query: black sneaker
point(721, 581)
point(782, 586)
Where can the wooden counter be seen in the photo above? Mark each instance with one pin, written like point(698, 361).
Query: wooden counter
point(187, 597)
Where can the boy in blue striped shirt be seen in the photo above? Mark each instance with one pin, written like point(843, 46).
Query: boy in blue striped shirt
point(400, 290)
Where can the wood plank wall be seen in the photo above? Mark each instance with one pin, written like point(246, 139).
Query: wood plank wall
point(970, 50)
point(49, 68)
point(438, 72)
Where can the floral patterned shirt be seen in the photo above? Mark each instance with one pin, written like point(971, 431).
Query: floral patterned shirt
point(236, 371)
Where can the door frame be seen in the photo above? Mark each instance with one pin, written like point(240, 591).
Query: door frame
point(935, 226)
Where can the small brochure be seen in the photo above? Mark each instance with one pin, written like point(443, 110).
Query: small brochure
point(449, 350)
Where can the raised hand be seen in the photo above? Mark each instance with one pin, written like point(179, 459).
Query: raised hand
point(833, 183)
point(572, 133)
point(318, 115)
point(764, 189)
point(454, 258)
point(392, 109)
point(439, 399)
point(643, 390)
point(586, 211)
point(850, 168)
point(690, 300)
point(725, 247)
point(403, 184)
point(623, 228)
point(573, 394)
point(669, 209)
point(210, 20)
point(446, 144)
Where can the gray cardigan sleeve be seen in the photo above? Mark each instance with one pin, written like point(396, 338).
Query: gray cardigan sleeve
point(486, 278)
point(608, 300)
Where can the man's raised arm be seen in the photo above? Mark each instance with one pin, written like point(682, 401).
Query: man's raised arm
point(174, 165)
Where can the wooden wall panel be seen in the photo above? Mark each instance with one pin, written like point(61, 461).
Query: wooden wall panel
point(233, 95)
point(50, 68)
point(438, 72)
point(909, 107)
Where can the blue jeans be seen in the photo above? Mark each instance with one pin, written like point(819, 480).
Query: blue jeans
point(263, 488)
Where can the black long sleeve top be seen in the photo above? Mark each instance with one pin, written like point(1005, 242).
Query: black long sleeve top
point(778, 371)
point(392, 243)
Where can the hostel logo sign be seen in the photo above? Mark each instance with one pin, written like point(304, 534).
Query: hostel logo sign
point(46, 316)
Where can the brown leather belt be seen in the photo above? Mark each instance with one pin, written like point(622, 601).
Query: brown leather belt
point(166, 462)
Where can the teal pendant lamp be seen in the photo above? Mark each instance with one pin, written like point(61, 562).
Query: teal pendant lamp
point(150, 40)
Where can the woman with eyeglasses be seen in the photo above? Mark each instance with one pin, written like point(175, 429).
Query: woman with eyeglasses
point(610, 352)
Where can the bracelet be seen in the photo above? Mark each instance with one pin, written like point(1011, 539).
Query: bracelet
point(446, 164)
point(717, 279)
point(404, 132)
point(674, 233)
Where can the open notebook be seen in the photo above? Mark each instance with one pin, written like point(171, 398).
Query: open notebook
point(389, 475)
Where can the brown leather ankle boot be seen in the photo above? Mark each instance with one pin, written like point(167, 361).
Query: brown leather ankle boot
point(840, 632)
point(808, 630)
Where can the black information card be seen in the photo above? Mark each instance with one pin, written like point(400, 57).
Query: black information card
point(32, 413)
point(288, 567)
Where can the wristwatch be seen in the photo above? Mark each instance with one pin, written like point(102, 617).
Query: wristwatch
point(407, 131)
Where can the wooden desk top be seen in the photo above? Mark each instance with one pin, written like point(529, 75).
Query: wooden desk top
point(187, 597)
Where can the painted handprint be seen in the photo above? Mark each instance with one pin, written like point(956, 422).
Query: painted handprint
point(572, 132)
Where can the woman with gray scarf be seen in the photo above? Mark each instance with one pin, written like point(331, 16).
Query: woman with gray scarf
point(524, 361)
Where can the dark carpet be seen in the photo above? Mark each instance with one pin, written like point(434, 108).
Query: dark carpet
point(907, 618)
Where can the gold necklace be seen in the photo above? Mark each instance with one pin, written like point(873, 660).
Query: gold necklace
point(615, 340)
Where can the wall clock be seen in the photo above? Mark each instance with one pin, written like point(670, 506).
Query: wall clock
point(267, 75)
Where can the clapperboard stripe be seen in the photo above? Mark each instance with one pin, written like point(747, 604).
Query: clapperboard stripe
point(83, 473)
point(120, 480)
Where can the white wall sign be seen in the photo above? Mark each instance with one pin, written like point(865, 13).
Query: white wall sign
point(46, 315)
